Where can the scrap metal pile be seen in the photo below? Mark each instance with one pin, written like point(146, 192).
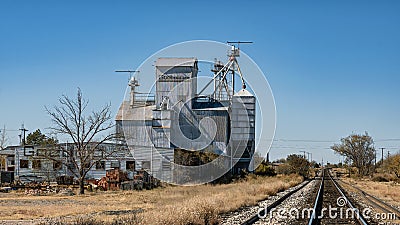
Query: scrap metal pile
point(115, 179)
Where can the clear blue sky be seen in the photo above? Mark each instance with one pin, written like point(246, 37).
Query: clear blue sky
point(333, 65)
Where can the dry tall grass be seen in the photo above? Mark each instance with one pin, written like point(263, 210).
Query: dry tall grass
point(169, 205)
point(388, 191)
point(202, 204)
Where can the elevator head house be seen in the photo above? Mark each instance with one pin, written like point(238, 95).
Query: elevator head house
point(179, 117)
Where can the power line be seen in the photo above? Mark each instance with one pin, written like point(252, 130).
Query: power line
point(8, 130)
point(389, 139)
point(300, 140)
point(322, 141)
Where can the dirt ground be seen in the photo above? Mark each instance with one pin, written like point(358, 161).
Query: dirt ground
point(165, 205)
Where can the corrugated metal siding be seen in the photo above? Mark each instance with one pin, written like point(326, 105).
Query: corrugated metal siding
point(221, 119)
point(154, 156)
point(161, 137)
point(180, 91)
point(137, 133)
point(242, 126)
point(173, 79)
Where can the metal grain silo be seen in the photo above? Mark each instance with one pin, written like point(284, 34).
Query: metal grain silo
point(242, 141)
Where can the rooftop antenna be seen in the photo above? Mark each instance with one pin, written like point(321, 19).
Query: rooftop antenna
point(133, 83)
point(236, 47)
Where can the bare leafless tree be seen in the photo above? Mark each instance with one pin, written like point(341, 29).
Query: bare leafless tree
point(3, 145)
point(3, 138)
point(87, 131)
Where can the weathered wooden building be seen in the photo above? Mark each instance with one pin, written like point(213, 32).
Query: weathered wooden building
point(36, 163)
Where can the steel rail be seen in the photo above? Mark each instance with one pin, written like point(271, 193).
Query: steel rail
point(360, 218)
point(256, 217)
point(375, 199)
point(318, 201)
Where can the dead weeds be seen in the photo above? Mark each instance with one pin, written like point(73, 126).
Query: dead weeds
point(168, 205)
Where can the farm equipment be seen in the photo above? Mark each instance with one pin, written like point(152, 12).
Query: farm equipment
point(141, 180)
point(149, 182)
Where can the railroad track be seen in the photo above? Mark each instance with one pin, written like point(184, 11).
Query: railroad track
point(332, 206)
point(256, 217)
point(327, 203)
point(378, 204)
point(326, 197)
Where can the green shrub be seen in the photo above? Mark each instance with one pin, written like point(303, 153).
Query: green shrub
point(265, 170)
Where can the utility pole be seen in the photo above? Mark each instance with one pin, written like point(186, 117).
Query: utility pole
point(23, 130)
point(374, 161)
point(382, 155)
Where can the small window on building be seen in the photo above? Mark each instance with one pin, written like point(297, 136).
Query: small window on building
point(54, 152)
point(146, 165)
point(130, 165)
point(114, 164)
point(100, 165)
point(23, 164)
point(48, 152)
point(36, 164)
